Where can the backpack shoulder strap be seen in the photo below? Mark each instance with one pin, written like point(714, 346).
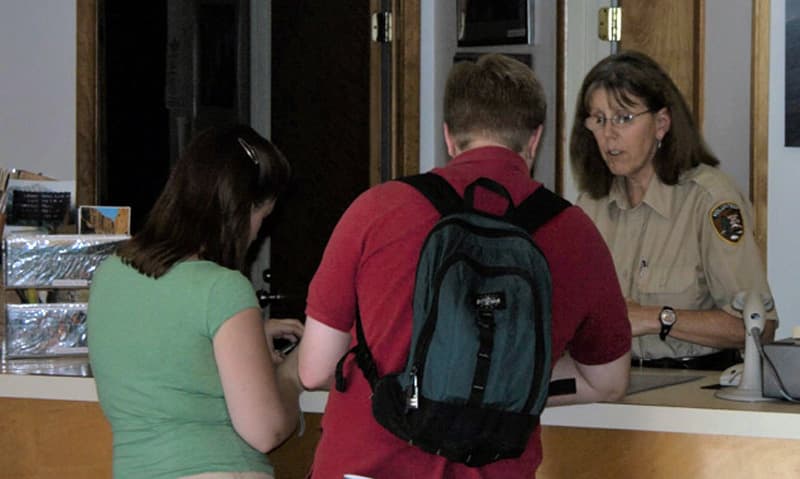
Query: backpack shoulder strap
point(438, 191)
point(446, 200)
point(364, 359)
point(537, 209)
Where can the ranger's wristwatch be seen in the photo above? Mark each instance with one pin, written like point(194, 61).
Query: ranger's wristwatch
point(667, 318)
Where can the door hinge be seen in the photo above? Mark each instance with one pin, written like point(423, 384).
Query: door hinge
point(382, 27)
point(609, 24)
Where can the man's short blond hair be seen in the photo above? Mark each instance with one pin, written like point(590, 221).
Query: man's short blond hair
point(495, 97)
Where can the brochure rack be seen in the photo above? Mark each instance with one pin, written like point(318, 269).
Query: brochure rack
point(38, 267)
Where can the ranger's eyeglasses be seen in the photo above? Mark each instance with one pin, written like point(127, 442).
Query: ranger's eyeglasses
point(595, 123)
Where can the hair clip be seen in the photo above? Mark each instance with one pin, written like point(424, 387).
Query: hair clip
point(251, 152)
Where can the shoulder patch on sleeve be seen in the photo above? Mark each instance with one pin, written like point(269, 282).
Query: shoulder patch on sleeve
point(727, 220)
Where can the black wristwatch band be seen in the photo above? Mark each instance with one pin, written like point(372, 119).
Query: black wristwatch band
point(667, 318)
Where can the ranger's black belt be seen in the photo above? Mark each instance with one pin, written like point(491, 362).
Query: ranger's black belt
point(718, 361)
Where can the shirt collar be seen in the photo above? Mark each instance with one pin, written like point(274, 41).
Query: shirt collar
point(658, 196)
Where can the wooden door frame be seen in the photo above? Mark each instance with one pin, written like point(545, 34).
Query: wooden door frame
point(759, 121)
point(87, 113)
point(403, 115)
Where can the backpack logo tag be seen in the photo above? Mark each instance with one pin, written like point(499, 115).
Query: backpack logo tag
point(488, 302)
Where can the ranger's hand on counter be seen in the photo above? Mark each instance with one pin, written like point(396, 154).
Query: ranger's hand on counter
point(715, 328)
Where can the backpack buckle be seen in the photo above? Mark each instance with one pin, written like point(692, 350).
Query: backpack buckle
point(412, 391)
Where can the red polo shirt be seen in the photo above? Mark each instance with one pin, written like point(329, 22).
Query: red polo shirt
point(371, 259)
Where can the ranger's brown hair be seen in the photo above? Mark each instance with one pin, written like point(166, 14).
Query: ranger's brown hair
point(631, 76)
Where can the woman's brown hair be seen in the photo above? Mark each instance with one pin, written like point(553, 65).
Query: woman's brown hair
point(206, 204)
point(631, 76)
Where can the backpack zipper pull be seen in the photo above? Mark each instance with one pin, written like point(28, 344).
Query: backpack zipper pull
point(412, 392)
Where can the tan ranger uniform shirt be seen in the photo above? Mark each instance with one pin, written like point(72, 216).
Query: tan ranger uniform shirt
point(688, 246)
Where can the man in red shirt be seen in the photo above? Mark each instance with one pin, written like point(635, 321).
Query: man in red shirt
point(494, 111)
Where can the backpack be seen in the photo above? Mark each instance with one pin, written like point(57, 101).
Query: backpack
point(478, 370)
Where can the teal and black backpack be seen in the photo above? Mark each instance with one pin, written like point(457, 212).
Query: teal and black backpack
point(478, 371)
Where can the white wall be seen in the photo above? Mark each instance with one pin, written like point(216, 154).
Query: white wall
point(583, 50)
point(436, 52)
point(783, 229)
point(727, 86)
point(37, 86)
point(260, 112)
point(439, 44)
point(726, 126)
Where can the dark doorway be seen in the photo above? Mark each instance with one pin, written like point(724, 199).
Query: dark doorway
point(320, 120)
point(134, 133)
point(168, 70)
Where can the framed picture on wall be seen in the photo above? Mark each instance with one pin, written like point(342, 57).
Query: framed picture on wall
point(493, 22)
point(104, 220)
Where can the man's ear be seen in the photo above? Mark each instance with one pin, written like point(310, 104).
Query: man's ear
point(530, 149)
point(448, 140)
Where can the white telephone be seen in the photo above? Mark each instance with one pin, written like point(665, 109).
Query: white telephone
point(748, 388)
point(732, 376)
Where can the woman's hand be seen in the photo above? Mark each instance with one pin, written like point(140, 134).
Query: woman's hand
point(288, 329)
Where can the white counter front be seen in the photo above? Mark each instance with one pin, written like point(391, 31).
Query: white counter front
point(40, 379)
point(685, 408)
point(688, 407)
